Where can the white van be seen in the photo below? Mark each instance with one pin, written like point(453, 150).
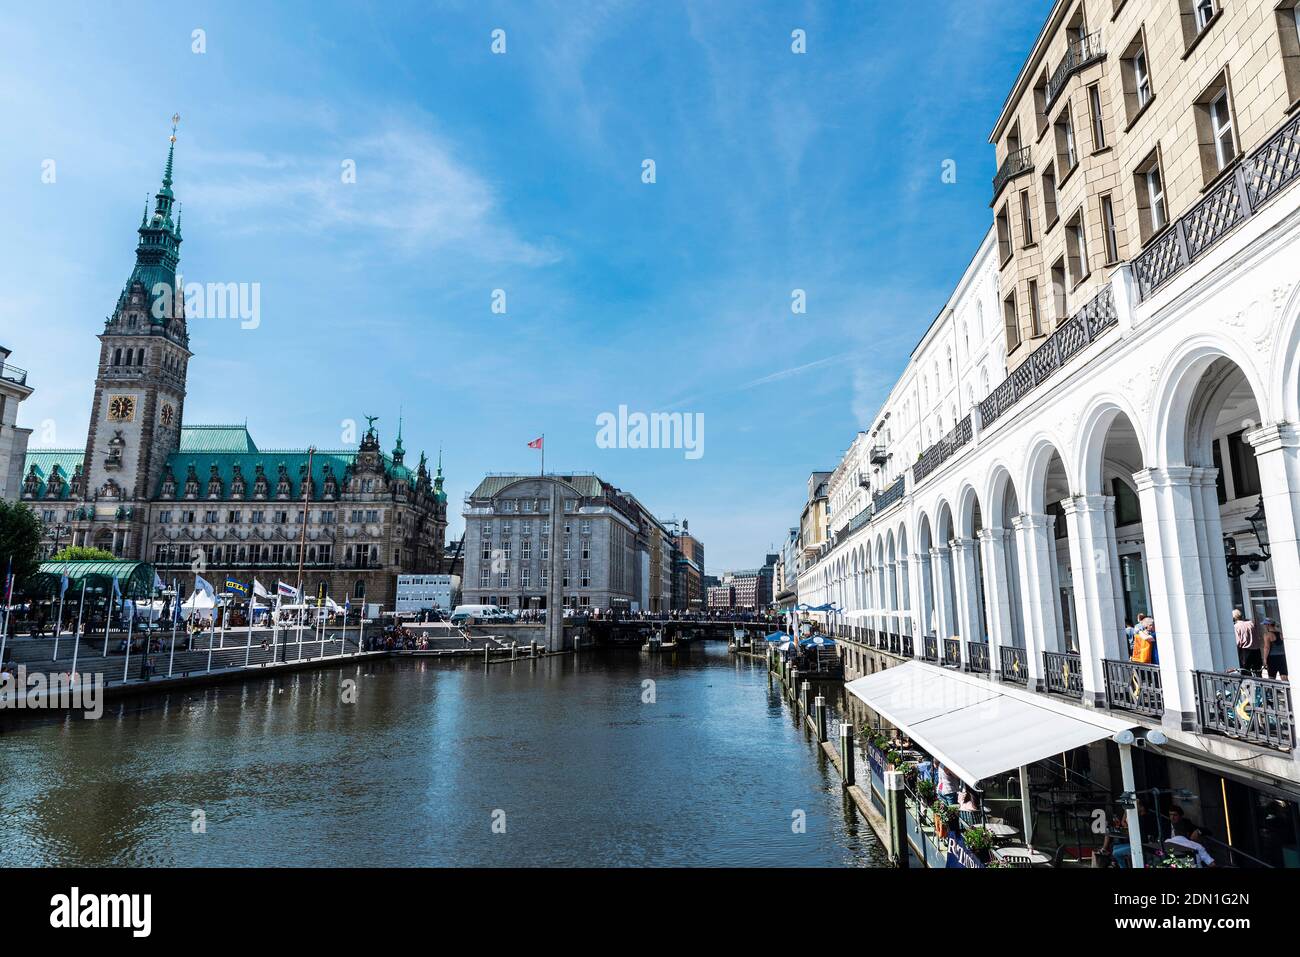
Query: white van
point(473, 614)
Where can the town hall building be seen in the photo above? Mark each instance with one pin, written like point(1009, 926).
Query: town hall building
point(187, 498)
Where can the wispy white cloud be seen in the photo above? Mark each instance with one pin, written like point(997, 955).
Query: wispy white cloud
point(412, 193)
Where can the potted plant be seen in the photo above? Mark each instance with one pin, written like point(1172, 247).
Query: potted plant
point(939, 811)
point(925, 790)
point(980, 842)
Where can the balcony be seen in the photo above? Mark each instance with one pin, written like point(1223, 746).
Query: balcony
point(1082, 52)
point(1017, 163)
point(1255, 181)
point(977, 657)
point(1254, 710)
point(943, 450)
point(11, 373)
point(889, 496)
point(930, 648)
point(1069, 338)
point(1063, 674)
point(1133, 687)
point(879, 455)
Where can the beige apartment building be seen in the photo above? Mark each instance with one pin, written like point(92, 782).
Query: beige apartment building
point(1128, 115)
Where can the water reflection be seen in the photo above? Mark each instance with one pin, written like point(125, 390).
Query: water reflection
point(564, 753)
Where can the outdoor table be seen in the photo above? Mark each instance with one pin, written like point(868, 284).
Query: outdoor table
point(1035, 857)
point(1001, 829)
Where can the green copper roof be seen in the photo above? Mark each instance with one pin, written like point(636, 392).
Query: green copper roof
point(49, 461)
point(134, 579)
point(217, 438)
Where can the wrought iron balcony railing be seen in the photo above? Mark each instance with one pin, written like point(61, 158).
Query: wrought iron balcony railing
point(1017, 163)
point(943, 450)
point(879, 455)
point(1256, 180)
point(1133, 687)
point(1063, 673)
point(977, 657)
point(930, 648)
point(889, 496)
point(1081, 53)
point(12, 373)
point(1069, 338)
point(1250, 709)
point(952, 653)
point(909, 649)
point(1013, 664)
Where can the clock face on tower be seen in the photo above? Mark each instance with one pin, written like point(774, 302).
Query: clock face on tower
point(168, 414)
point(121, 408)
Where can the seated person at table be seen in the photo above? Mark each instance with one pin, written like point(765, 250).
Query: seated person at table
point(966, 801)
point(1179, 822)
point(1148, 832)
point(1192, 842)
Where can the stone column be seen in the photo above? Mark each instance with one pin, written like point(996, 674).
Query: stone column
point(922, 597)
point(968, 598)
point(1214, 568)
point(1178, 592)
point(1036, 540)
point(1093, 561)
point(997, 589)
point(940, 564)
point(1277, 450)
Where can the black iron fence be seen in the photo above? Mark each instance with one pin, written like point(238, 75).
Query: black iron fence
point(1255, 180)
point(977, 657)
point(1069, 338)
point(1013, 664)
point(952, 653)
point(1251, 709)
point(944, 449)
point(1133, 687)
point(1062, 673)
point(1082, 51)
point(930, 648)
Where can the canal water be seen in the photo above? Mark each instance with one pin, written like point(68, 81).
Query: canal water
point(609, 758)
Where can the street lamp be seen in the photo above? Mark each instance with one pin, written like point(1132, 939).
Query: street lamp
point(1238, 563)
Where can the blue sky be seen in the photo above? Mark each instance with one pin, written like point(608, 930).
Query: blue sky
point(519, 172)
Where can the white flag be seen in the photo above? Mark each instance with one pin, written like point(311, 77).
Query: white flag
point(259, 590)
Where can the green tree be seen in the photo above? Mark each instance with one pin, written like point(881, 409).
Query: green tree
point(20, 539)
point(81, 553)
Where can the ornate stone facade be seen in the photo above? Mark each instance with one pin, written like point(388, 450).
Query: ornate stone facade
point(205, 498)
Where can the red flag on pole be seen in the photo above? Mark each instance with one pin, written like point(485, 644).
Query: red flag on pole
point(535, 444)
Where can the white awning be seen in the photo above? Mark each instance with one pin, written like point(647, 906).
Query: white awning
point(975, 727)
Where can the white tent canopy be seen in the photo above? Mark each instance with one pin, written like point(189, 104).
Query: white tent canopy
point(976, 728)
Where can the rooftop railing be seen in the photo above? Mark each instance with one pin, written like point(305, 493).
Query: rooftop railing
point(1013, 664)
point(1256, 180)
point(12, 373)
point(890, 495)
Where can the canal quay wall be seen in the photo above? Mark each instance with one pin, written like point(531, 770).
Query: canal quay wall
point(808, 703)
point(239, 656)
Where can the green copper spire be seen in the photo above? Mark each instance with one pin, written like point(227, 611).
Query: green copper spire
point(438, 493)
point(158, 252)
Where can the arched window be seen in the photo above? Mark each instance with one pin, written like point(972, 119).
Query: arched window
point(979, 321)
point(117, 357)
point(128, 356)
point(984, 382)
